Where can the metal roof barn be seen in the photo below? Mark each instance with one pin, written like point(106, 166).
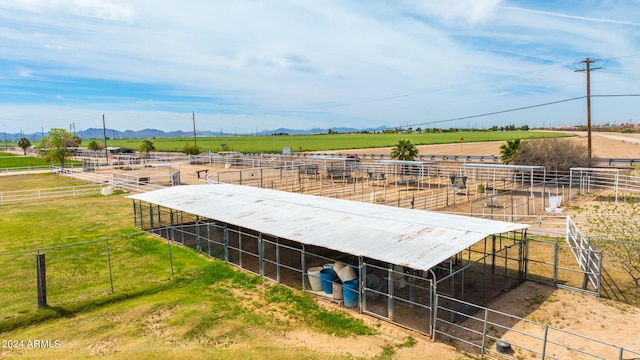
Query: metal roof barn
point(414, 238)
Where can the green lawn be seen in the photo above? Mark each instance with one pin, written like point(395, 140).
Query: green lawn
point(9, 160)
point(206, 310)
point(36, 181)
point(297, 143)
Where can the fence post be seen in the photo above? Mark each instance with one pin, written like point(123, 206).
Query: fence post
point(106, 244)
point(390, 287)
point(278, 277)
point(555, 263)
point(587, 267)
point(209, 238)
point(484, 332)
point(544, 341)
point(303, 266)
point(226, 243)
point(261, 254)
point(170, 256)
point(41, 280)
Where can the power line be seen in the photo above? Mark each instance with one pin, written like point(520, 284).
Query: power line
point(614, 95)
point(522, 108)
point(428, 91)
point(500, 112)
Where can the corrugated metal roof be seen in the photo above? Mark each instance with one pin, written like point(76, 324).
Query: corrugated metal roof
point(415, 238)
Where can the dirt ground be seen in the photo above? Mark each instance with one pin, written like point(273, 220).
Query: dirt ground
point(605, 320)
point(608, 321)
point(587, 315)
point(603, 145)
point(570, 311)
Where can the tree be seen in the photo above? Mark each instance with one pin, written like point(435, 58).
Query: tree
point(404, 150)
point(191, 149)
point(94, 146)
point(616, 227)
point(24, 143)
point(556, 154)
point(72, 140)
point(509, 150)
point(56, 145)
point(146, 146)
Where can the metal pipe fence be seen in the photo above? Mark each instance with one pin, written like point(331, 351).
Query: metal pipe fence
point(404, 296)
point(489, 332)
point(16, 196)
point(26, 168)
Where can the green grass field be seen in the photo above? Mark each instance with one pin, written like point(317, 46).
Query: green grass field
point(9, 160)
point(37, 181)
point(206, 310)
point(297, 143)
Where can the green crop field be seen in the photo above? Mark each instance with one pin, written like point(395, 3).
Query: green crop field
point(206, 310)
point(298, 143)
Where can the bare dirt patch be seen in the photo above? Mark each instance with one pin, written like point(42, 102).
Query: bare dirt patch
point(370, 346)
point(605, 320)
point(604, 145)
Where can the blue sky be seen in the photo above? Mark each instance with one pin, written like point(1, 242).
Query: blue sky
point(247, 65)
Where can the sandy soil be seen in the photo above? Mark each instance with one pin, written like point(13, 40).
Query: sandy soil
point(604, 320)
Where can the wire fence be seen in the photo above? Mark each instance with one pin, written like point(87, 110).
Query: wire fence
point(84, 271)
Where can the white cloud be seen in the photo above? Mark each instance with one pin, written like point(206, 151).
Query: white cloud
point(468, 11)
point(329, 63)
point(98, 9)
point(575, 17)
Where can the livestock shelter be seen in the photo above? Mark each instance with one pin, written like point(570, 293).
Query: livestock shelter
point(400, 259)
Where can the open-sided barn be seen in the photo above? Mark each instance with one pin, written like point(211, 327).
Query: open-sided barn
point(401, 258)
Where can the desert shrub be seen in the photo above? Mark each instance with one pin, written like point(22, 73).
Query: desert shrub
point(556, 154)
point(191, 149)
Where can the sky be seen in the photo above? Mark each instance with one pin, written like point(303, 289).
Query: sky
point(245, 66)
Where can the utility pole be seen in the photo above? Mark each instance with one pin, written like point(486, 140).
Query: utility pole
point(587, 69)
point(193, 116)
point(104, 136)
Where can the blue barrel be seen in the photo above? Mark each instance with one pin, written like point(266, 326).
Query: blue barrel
point(327, 275)
point(351, 292)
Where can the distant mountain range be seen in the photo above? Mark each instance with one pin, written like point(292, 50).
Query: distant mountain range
point(93, 133)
